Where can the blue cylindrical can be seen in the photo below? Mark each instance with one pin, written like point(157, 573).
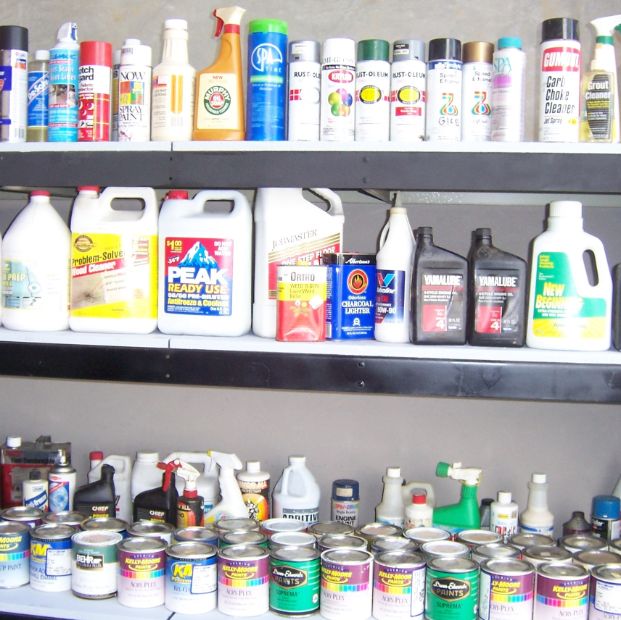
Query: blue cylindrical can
point(267, 80)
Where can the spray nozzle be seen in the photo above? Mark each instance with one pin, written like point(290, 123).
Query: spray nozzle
point(225, 461)
point(470, 476)
point(605, 27)
point(185, 471)
point(67, 32)
point(169, 469)
point(61, 457)
point(228, 18)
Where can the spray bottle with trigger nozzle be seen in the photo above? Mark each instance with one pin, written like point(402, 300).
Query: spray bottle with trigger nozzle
point(190, 504)
point(232, 505)
point(463, 515)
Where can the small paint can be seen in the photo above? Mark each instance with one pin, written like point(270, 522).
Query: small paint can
point(224, 526)
point(191, 577)
point(280, 524)
point(29, 515)
point(444, 549)
point(65, 517)
point(294, 581)
point(292, 539)
point(538, 555)
point(398, 585)
point(340, 541)
point(562, 591)
point(474, 538)
point(581, 542)
point(495, 551)
point(451, 589)
point(94, 563)
point(50, 557)
point(527, 539)
point(507, 588)
point(14, 554)
point(421, 535)
point(151, 529)
point(107, 524)
point(243, 580)
point(605, 592)
point(206, 534)
point(244, 538)
point(371, 531)
point(590, 558)
point(324, 528)
point(346, 584)
point(142, 570)
point(382, 544)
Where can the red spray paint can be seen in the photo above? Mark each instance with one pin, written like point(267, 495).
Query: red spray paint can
point(95, 88)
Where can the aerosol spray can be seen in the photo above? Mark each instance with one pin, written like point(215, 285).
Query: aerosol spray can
point(476, 91)
point(408, 91)
point(116, 66)
point(63, 87)
point(444, 84)
point(95, 90)
point(35, 491)
point(338, 90)
point(13, 83)
point(345, 504)
point(508, 91)
point(135, 92)
point(62, 483)
point(38, 78)
point(559, 83)
point(304, 91)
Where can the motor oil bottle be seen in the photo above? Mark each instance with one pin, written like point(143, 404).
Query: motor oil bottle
point(122, 482)
point(160, 503)
point(537, 518)
point(62, 484)
point(35, 261)
point(297, 495)
point(38, 80)
point(205, 264)
point(289, 229)
point(146, 474)
point(254, 485)
point(439, 293)
point(566, 310)
point(114, 262)
point(97, 499)
point(497, 294)
point(219, 102)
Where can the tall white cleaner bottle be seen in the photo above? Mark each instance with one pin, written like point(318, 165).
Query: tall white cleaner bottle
point(114, 262)
point(537, 518)
point(122, 482)
point(232, 505)
point(205, 265)
point(146, 475)
point(394, 275)
point(296, 495)
point(391, 509)
point(254, 485)
point(35, 268)
point(207, 482)
point(172, 107)
point(566, 311)
point(288, 229)
point(504, 516)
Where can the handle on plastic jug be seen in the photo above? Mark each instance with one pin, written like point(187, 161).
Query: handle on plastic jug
point(334, 200)
point(407, 489)
point(194, 458)
point(146, 194)
point(600, 263)
point(206, 195)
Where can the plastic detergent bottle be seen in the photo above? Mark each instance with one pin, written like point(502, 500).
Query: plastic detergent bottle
point(35, 262)
point(288, 229)
point(160, 503)
point(219, 102)
point(419, 513)
point(205, 264)
point(146, 474)
point(254, 485)
point(207, 482)
point(97, 499)
point(122, 482)
point(504, 516)
point(114, 262)
point(296, 495)
point(566, 311)
point(232, 505)
point(537, 518)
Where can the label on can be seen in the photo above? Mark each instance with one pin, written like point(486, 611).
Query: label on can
point(243, 586)
point(95, 106)
point(390, 296)
point(605, 593)
point(444, 85)
point(304, 97)
point(63, 95)
point(607, 529)
point(134, 103)
point(559, 597)
point(442, 301)
point(345, 511)
point(59, 493)
point(13, 96)
point(373, 101)
point(14, 554)
point(451, 595)
point(476, 94)
point(141, 577)
point(508, 95)
point(94, 564)
point(346, 590)
point(37, 98)
point(294, 586)
point(35, 494)
point(398, 591)
point(506, 596)
point(338, 92)
point(50, 564)
point(408, 100)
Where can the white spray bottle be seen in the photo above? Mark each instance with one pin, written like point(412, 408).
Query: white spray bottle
point(190, 504)
point(232, 505)
point(207, 483)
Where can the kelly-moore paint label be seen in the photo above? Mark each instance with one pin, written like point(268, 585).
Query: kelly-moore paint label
point(444, 86)
point(506, 597)
point(14, 555)
point(559, 598)
point(243, 586)
point(346, 590)
point(398, 592)
point(605, 594)
point(141, 578)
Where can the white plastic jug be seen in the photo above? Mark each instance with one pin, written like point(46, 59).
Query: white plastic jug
point(114, 262)
point(296, 495)
point(122, 482)
point(146, 475)
point(205, 265)
point(207, 483)
point(289, 229)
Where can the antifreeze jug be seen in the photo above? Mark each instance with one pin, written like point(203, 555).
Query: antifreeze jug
point(296, 495)
point(289, 229)
point(122, 482)
point(114, 262)
point(205, 265)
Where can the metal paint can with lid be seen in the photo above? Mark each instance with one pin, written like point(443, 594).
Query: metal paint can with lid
point(242, 524)
point(206, 534)
point(292, 539)
point(590, 558)
point(371, 531)
point(474, 538)
point(451, 589)
point(29, 515)
point(562, 591)
point(151, 529)
point(538, 555)
point(528, 539)
point(14, 554)
point(280, 524)
point(444, 549)
point(294, 581)
point(346, 584)
point(506, 590)
point(382, 544)
point(422, 535)
point(243, 538)
point(330, 527)
point(339, 541)
point(65, 517)
point(107, 524)
point(605, 592)
point(50, 557)
point(495, 551)
point(581, 542)
point(398, 585)
point(142, 571)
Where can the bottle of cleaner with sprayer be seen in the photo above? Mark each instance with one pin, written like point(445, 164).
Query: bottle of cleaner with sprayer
point(207, 482)
point(232, 505)
point(297, 494)
point(254, 485)
point(537, 518)
point(288, 229)
point(190, 504)
point(122, 482)
point(504, 516)
point(146, 474)
point(211, 252)
point(219, 104)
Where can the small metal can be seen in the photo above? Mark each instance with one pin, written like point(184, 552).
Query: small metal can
point(590, 558)
point(243, 538)
point(243, 580)
point(371, 531)
point(340, 541)
point(507, 589)
point(14, 554)
point(562, 590)
point(444, 549)
point(294, 581)
point(398, 585)
point(50, 557)
point(243, 524)
point(324, 528)
point(381, 544)
point(280, 524)
point(29, 515)
point(197, 533)
point(580, 542)
point(292, 539)
point(65, 517)
point(151, 529)
point(142, 570)
point(452, 589)
point(422, 535)
point(474, 538)
point(94, 563)
point(527, 539)
point(605, 592)
point(108, 524)
point(494, 551)
point(346, 584)
point(538, 555)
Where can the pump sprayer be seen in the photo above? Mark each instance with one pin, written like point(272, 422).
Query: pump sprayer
point(232, 505)
point(190, 504)
point(463, 515)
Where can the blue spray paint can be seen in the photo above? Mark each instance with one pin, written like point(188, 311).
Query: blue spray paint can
point(267, 80)
point(38, 77)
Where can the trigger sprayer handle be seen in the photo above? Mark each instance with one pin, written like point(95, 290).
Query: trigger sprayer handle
point(334, 200)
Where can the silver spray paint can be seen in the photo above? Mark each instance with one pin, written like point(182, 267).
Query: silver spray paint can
point(304, 91)
point(13, 83)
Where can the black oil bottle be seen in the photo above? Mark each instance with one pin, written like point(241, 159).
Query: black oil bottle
point(159, 504)
point(439, 293)
point(97, 499)
point(497, 294)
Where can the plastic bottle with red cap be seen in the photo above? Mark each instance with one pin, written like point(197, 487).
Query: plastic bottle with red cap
point(95, 91)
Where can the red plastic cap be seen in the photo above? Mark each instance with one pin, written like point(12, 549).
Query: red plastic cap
point(177, 194)
point(88, 188)
point(419, 498)
point(39, 192)
point(96, 53)
point(96, 455)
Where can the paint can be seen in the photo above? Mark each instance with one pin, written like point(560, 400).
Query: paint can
point(382, 544)
point(65, 517)
point(14, 554)
point(243, 581)
point(206, 534)
point(151, 529)
point(421, 535)
point(581, 542)
point(243, 538)
point(50, 558)
point(294, 581)
point(94, 563)
point(605, 592)
point(323, 528)
point(474, 538)
point(506, 590)
point(590, 558)
point(243, 524)
point(398, 585)
point(292, 539)
point(544, 554)
point(339, 541)
point(562, 590)
point(371, 531)
point(527, 539)
point(95, 90)
point(279, 524)
point(108, 524)
point(444, 549)
point(451, 589)
point(23, 514)
point(495, 551)
point(142, 569)
point(346, 584)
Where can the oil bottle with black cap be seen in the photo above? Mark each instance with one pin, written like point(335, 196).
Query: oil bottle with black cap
point(97, 499)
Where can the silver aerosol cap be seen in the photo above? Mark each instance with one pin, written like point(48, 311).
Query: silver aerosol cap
point(408, 49)
point(304, 51)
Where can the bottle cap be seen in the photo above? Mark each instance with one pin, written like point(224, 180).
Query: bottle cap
point(176, 24)
point(408, 49)
point(419, 498)
point(135, 53)
point(478, 51)
point(96, 455)
point(606, 507)
point(560, 28)
point(13, 38)
point(539, 478)
point(393, 472)
point(13, 441)
point(346, 488)
point(444, 49)
point(267, 25)
point(116, 58)
point(304, 51)
point(424, 230)
point(177, 194)
point(297, 460)
point(148, 457)
point(481, 233)
point(39, 192)
point(373, 49)
point(253, 467)
point(339, 51)
point(507, 42)
point(504, 497)
point(566, 208)
point(96, 53)
point(398, 210)
point(88, 188)
point(42, 55)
